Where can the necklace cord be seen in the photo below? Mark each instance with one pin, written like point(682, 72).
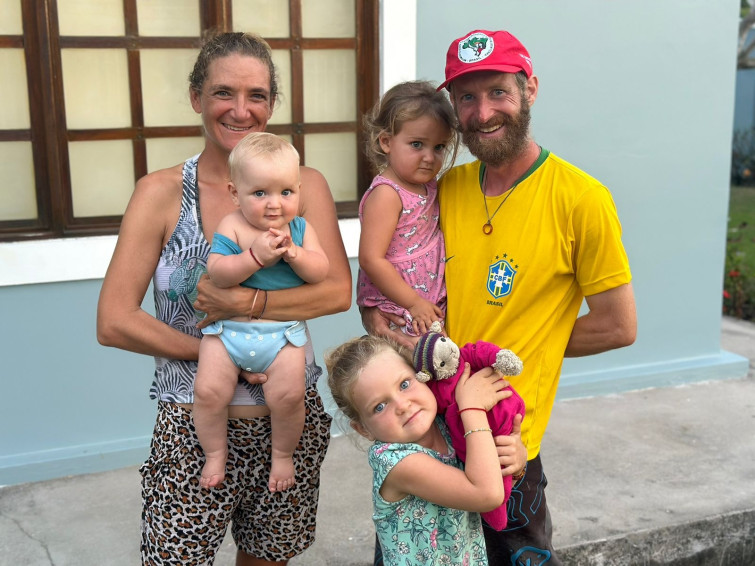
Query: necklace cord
point(487, 228)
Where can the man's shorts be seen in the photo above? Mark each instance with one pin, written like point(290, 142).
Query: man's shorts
point(527, 539)
point(254, 345)
point(185, 524)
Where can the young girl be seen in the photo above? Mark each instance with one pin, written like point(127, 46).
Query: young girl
point(424, 501)
point(410, 135)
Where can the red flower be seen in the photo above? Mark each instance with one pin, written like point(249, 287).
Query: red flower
point(726, 294)
point(733, 273)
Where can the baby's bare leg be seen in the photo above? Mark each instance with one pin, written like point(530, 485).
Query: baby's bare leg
point(214, 385)
point(284, 394)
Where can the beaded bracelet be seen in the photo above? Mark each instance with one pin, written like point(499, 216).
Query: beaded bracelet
point(473, 409)
point(477, 430)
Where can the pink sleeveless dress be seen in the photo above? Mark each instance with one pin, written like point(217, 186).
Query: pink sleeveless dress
point(417, 251)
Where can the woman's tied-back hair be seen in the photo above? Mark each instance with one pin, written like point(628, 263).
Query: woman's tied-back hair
point(258, 143)
point(400, 104)
point(346, 362)
point(221, 44)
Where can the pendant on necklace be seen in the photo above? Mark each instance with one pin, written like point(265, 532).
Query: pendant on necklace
point(487, 228)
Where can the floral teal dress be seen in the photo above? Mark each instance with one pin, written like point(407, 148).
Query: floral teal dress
point(414, 531)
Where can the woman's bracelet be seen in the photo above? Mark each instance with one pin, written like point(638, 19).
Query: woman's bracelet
point(254, 301)
point(477, 430)
point(473, 409)
point(264, 304)
point(254, 257)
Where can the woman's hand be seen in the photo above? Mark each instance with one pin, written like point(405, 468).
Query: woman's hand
point(512, 454)
point(254, 378)
point(221, 304)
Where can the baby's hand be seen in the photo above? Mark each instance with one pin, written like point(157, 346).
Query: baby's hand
point(424, 313)
point(484, 389)
point(291, 253)
point(267, 246)
point(290, 250)
point(283, 244)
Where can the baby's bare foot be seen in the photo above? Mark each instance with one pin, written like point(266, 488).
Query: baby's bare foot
point(281, 474)
point(212, 481)
point(213, 472)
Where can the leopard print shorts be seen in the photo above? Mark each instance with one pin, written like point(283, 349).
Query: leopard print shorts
point(185, 524)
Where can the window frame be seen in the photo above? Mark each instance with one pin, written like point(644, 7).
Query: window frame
point(49, 134)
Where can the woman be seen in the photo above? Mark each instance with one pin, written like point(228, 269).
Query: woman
point(165, 237)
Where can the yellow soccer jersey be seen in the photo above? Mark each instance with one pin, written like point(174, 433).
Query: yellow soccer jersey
point(556, 239)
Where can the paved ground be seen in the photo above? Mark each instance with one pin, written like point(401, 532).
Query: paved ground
point(655, 461)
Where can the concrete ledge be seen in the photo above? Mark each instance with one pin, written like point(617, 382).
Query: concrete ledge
point(719, 539)
point(48, 464)
point(724, 365)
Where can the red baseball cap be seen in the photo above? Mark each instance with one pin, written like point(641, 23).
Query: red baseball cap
point(483, 50)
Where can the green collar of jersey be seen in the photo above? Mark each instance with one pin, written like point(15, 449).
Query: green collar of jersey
point(544, 153)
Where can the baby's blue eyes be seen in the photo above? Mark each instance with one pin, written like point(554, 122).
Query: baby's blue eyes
point(284, 193)
point(379, 407)
point(404, 384)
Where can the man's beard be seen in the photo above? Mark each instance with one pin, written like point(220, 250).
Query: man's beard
point(499, 151)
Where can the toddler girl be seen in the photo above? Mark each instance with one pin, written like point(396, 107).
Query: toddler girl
point(410, 135)
point(425, 502)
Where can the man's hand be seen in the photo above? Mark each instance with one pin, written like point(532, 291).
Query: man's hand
point(378, 323)
point(512, 454)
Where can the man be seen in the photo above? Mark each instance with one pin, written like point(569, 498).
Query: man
point(528, 236)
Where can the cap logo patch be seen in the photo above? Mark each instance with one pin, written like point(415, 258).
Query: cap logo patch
point(475, 48)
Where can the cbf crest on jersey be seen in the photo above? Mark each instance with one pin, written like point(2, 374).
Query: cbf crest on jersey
point(500, 278)
point(475, 48)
